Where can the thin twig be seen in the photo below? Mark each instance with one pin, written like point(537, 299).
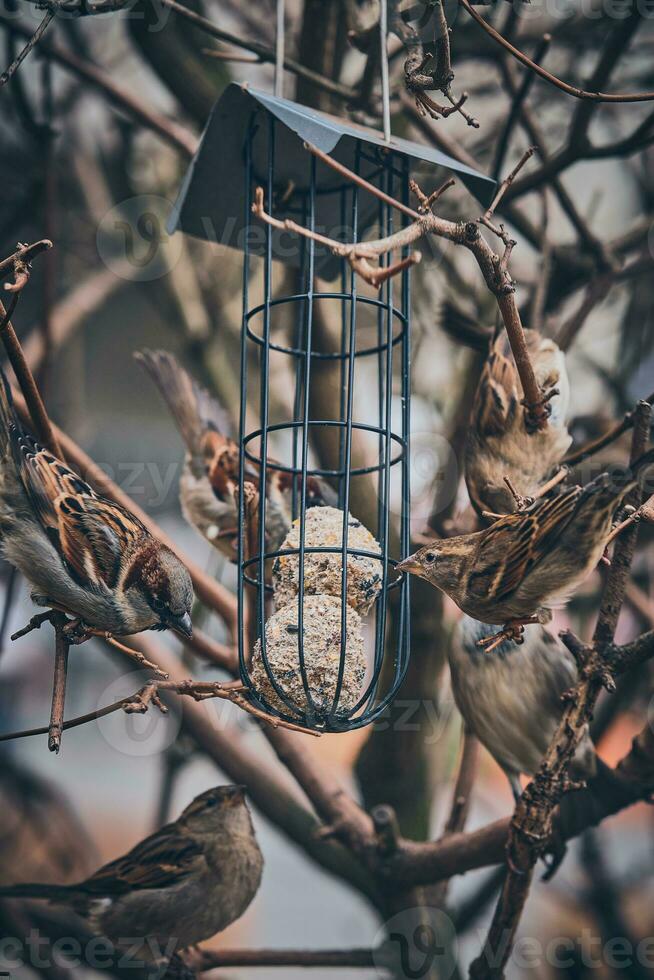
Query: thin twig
point(357, 255)
point(517, 102)
point(42, 425)
point(506, 183)
point(613, 433)
point(58, 685)
point(149, 694)
point(34, 40)
point(122, 98)
point(573, 90)
point(202, 960)
point(344, 171)
point(23, 256)
point(265, 54)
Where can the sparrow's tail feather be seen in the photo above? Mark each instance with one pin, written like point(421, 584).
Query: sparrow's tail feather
point(36, 890)
point(192, 407)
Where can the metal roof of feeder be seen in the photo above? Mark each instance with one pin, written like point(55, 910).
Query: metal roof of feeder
point(210, 203)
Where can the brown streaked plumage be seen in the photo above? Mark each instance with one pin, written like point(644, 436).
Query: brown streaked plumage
point(527, 563)
point(181, 885)
point(498, 444)
point(81, 553)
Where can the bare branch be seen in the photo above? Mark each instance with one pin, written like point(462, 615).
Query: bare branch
point(38, 414)
point(149, 695)
point(58, 685)
point(22, 258)
point(517, 101)
point(613, 433)
point(264, 54)
point(573, 90)
point(118, 96)
point(33, 41)
point(202, 960)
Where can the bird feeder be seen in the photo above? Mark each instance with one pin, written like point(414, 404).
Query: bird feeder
point(323, 619)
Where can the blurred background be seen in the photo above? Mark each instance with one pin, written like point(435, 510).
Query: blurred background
point(82, 163)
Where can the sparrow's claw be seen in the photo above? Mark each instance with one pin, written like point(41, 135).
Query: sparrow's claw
point(77, 632)
point(512, 631)
point(539, 410)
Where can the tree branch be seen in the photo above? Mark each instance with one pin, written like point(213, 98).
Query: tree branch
point(202, 960)
point(573, 90)
point(33, 41)
point(174, 134)
point(264, 53)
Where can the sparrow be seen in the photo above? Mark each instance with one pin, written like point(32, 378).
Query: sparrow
point(512, 699)
point(208, 487)
point(81, 553)
point(178, 887)
point(525, 564)
point(498, 444)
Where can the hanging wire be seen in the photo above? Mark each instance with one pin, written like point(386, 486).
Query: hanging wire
point(279, 51)
point(386, 92)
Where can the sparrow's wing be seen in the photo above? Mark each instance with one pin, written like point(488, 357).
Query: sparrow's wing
point(90, 533)
point(95, 535)
point(511, 546)
point(159, 861)
point(497, 397)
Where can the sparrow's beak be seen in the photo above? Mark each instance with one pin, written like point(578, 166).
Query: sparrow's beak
point(410, 565)
point(234, 794)
point(183, 624)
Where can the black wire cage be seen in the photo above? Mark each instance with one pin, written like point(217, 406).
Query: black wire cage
point(324, 475)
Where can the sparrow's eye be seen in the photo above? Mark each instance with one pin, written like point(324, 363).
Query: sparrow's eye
point(158, 604)
point(430, 557)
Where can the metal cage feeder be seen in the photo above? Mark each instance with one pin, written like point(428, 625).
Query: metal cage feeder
point(308, 322)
